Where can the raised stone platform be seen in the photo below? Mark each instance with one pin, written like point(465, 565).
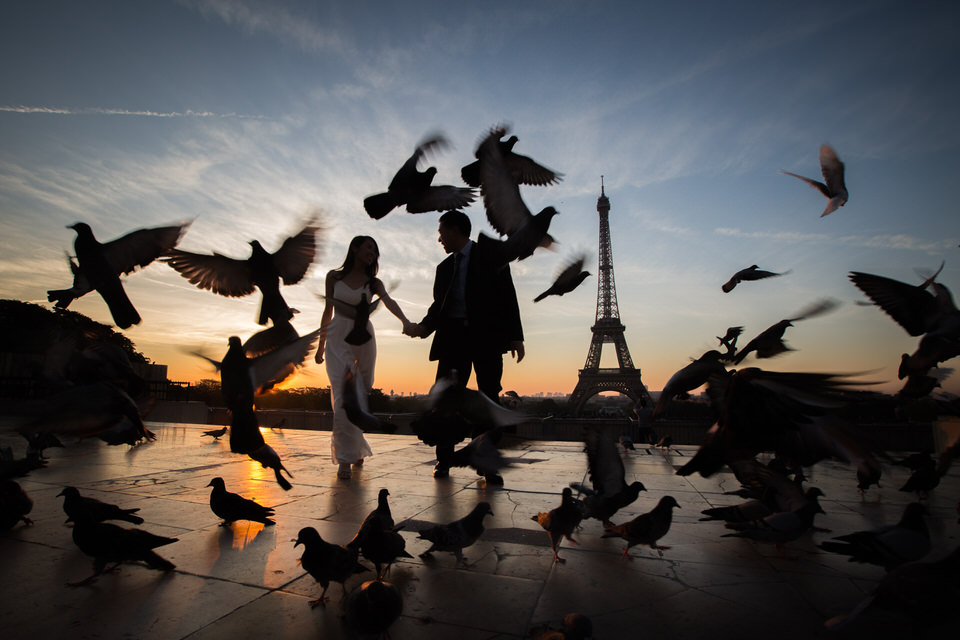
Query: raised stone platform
point(245, 580)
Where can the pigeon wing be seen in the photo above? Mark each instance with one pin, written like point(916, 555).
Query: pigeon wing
point(274, 367)
point(506, 211)
point(297, 253)
point(832, 170)
point(217, 273)
point(605, 465)
point(139, 248)
point(442, 198)
point(908, 305)
point(525, 171)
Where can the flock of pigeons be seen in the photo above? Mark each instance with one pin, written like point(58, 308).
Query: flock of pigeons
point(792, 415)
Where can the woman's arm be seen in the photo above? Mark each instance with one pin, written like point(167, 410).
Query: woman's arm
point(331, 281)
point(390, 303)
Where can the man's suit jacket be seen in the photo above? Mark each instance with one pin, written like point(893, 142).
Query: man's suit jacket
point(493, 315)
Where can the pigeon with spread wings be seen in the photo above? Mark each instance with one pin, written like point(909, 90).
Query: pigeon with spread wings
point(506, 211)
point(833, 186)
point(100, 265)
point(610, 491)
point(235, 278)
point(522, 169)
point(567, 280)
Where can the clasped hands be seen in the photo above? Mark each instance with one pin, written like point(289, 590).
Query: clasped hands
point(414, 330)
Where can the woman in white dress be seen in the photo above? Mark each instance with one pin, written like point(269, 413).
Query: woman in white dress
point(347, 344)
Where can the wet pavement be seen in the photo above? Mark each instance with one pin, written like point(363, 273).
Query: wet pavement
point(246, 579)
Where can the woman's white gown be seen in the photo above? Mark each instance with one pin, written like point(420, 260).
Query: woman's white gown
point(348, 444)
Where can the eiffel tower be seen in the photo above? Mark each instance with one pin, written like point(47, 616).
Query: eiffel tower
point(606, 329)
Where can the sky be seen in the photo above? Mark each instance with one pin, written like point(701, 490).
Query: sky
point(249, 117)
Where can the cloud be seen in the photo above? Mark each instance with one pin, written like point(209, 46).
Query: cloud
point(103, 111)
point(273, 19)
point(898, 241)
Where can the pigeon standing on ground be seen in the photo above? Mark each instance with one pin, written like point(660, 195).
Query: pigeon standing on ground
point(833, 186)
point(233, 278)
point(646, 528)
point(100, 266)
point(15, 504)
point(924, 478)
point(887, 546)
point(610, 491)
point(11, 467)
point(567, 280)
point(372, 607)
point(216, 434)
point(106, 543)
point(326, 562)
point(752, 272)
point(560, 523)
point(232, 507)
point(457, 535)
point(412, 187)
point(38, 442)
point(382, 547)
point(868, 474)
point(380, 519)
point(78, 507)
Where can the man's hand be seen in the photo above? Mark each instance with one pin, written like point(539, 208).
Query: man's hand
point(516, 350)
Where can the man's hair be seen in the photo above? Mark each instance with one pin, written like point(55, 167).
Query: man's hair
point(458, 219)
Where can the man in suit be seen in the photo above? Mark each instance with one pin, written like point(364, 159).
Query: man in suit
point(474, 317)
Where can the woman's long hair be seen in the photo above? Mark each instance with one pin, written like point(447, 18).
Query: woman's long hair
point(351, 253)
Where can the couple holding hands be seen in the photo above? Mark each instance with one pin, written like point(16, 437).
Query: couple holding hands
point(474, 319)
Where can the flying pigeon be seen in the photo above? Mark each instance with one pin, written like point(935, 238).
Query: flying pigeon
point(752, 272)
point(100, 266)
point(835, 190)
point(412, 187)
point(234, 277)
point(567, 280)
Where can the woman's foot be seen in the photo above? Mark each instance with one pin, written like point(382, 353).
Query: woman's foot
point(344, 472)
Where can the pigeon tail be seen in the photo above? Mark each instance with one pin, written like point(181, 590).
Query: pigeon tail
point(380, 204)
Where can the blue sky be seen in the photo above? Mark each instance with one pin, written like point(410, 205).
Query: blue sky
point(248, 116)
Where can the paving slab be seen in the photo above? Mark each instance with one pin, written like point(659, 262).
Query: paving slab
point(245, 579)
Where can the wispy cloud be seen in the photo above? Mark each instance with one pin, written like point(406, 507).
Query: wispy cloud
point(272, 19)
point(102, 111)
point(897, 241)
